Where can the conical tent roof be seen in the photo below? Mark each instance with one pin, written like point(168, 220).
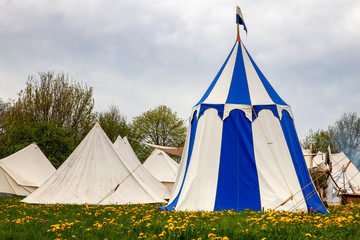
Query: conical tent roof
point(161, 166)
point(242, 150)
point(24, 171)
point(125, 150)
point(90, 173)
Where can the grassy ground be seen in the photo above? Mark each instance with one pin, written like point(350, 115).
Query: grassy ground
point(23, 221)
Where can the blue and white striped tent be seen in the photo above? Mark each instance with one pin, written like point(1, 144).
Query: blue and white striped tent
point(242, 150)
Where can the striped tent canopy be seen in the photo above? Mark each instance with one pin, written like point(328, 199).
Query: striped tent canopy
point(242, 150)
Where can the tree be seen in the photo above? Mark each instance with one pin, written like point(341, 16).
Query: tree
point(2, 107)
point(342, 136)
point(53, 111)
point(113, 123)
point(319, 141)
point(55, 97)
point(345, 134)
point(159, 126)
point(3, 110)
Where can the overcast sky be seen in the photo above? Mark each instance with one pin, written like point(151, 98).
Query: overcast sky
point(139, 54)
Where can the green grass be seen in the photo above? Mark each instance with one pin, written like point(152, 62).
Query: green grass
point(24, 221)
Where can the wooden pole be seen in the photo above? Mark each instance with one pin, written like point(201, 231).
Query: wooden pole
point(238, 33)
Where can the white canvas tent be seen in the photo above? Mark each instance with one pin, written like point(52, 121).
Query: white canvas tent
point(24, 171)
point(125, 150)
point(90, 173)
point(163, 167)
point(347, 177)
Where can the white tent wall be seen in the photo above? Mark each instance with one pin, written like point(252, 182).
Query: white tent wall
point(200, 182)
point(182, 168)
point(9, 186)
point(89, 174)
point(24, 171)
point(277, 176)
point(278, 179)
point(147, 180)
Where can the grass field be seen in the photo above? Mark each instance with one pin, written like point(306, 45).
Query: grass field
point(24, 221)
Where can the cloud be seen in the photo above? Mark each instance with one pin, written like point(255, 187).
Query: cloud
point(139, 55)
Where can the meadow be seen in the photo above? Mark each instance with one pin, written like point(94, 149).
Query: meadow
point(24, 221)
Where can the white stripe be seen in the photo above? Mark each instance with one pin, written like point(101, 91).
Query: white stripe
point(277, 176)
point(181, 170)
point(220, 92)
point(199, 190)
point(257, 91)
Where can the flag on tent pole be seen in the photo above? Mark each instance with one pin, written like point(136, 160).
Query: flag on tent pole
point(240, 18)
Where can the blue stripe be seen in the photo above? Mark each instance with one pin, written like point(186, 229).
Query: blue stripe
point(312, 199)
point(215, 80)
point(172, 205)
point(238, 186)
point(218, 107)
point(270, 90)
point(239, 90)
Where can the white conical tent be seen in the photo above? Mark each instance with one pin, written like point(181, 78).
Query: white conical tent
point(90, 173)
point(242, 150)
point(162, 167)
point(24, 171)
point(125, 150)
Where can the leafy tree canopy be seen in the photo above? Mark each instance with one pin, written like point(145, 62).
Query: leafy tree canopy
point(342, 136)
point(345, 134)
point(52, 111)
point(159, 126)
point(319, 141)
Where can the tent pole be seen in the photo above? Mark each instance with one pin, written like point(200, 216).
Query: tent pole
point(238, 33)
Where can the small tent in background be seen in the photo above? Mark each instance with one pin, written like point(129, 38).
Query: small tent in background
point(345, 173)
point(126, 152)
point(242, 150)
point(24, 171)
point(90, 174)
point(162, 167)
